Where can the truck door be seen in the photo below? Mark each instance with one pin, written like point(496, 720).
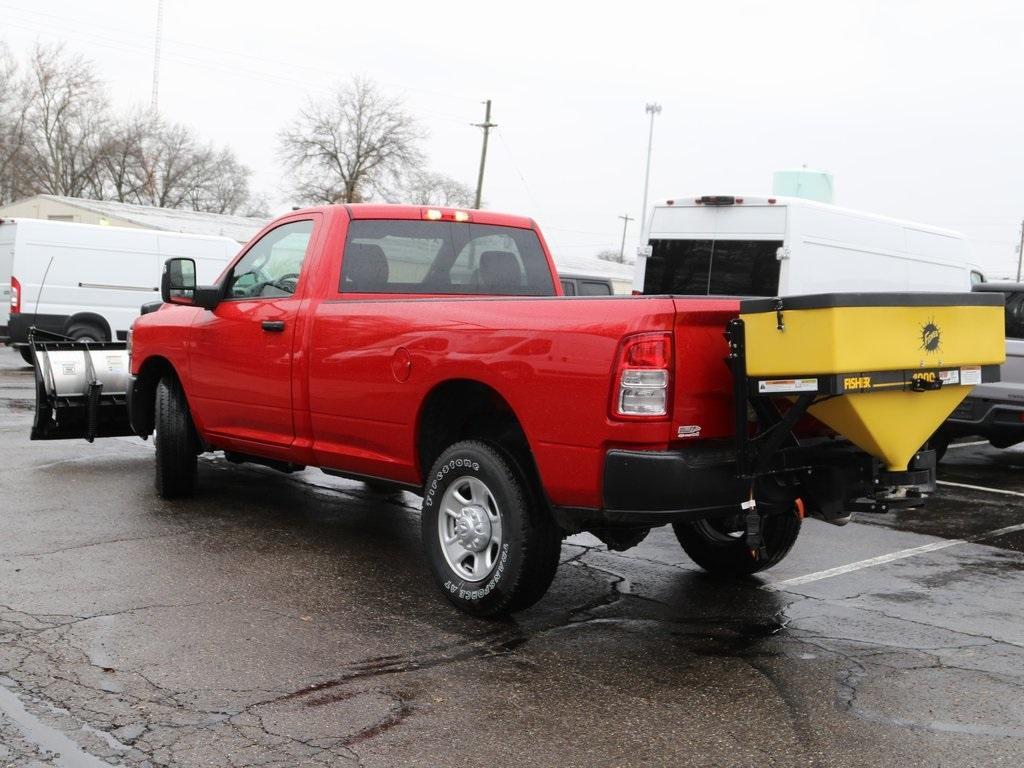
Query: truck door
point(240, 361)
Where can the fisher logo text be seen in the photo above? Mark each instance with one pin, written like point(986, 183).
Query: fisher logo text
point(857, 382)
point(931, 337)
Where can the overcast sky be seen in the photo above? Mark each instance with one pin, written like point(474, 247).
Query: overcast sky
point(914, 106)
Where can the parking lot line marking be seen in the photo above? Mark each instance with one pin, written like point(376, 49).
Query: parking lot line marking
point(891, 557)
point(967, 445)
point(862, 564)
point(981, 488)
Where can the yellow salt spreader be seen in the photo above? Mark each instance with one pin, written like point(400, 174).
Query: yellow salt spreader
point(882, 370)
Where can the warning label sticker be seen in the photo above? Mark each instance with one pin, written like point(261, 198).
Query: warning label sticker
point(970, 374)
point(778, 386)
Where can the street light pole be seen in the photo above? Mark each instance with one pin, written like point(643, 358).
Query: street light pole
point(652, 109)
point(1020, 251)
point(622, 248)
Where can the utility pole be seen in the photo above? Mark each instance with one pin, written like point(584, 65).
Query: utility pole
point(1020, 250)
point(652, 109)
point(622, 248)
point(156, 56)
point(486, 125)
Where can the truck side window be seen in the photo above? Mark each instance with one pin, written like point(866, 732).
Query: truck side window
point(594, 288)
point(271, 268)
point(568, 287)
point(441, 257)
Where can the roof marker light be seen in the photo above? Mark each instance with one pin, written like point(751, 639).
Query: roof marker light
point(461, 216)
point(433, 214)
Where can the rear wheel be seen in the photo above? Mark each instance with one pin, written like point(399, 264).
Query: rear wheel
point(177, 445)
point(86, 332)
point(719, 545)
point(491, 544)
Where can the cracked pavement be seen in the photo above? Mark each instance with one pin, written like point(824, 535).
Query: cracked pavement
point(290, 621)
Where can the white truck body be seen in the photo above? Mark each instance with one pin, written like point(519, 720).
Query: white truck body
point(778, 246)
point(82, 274)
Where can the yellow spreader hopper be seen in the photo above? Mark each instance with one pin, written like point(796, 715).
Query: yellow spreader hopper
point(884, 370)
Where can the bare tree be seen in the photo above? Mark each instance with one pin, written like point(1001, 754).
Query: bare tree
point(123, 161)
point(151, 162)
point(13, 106)
point(347, 149)
point(58, 136)
point(65, 120)
point(430, 188)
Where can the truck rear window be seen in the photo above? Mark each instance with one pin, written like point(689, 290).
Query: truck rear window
point(441, 257)
point(713, 267)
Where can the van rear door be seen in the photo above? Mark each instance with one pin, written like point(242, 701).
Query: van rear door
point(720, 249)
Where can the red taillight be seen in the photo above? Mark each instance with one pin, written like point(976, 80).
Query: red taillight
point(643, 377)
point(653, 352)
point(15, 296)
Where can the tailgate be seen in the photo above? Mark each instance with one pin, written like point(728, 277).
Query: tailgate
point(702, 406)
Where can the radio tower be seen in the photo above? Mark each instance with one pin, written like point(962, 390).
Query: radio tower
point(156, 56)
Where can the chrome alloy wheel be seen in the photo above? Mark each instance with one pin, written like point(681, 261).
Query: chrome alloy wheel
point(469, 528)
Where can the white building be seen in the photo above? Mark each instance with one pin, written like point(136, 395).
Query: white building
point(113, 214)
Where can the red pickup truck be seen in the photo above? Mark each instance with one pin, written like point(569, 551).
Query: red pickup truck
point(431, 350)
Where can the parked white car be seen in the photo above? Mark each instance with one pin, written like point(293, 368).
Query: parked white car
point(779, 246)
point(89, 282)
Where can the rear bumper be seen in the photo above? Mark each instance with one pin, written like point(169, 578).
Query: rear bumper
point(833, 478)
point(651, 488)
point(1000, 421)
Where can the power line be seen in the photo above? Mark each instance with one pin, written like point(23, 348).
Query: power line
point(77, 24)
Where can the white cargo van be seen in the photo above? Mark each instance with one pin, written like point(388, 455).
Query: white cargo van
point(779, 246)
point(89, 282)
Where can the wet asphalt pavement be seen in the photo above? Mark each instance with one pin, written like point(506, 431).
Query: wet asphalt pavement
point(291, 620)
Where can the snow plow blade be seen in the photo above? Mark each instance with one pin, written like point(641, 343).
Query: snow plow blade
point(81, 390)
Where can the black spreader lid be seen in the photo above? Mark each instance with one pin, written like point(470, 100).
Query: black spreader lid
point(834, 300)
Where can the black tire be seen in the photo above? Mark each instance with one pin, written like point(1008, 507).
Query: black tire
point(939, 443)
point(527, 557)
point(177, 445)
point(26, 355)
point(86, 332)
point(719, 546)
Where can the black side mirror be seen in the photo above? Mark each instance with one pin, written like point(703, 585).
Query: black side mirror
point(178, 285)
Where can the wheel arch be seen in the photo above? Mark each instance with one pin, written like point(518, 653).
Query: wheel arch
point(468, 409)
point(142, 405)
point(89, 318)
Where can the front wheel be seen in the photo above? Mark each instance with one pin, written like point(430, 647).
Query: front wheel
point(177, 445)
point(491, 545)
point(719, 546)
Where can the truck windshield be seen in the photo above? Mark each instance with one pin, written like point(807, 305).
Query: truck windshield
point(713, 267)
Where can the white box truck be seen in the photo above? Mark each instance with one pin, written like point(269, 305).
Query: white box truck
point(89, 282)
point(779, 246)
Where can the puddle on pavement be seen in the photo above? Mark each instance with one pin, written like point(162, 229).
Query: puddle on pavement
point(67, 754)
